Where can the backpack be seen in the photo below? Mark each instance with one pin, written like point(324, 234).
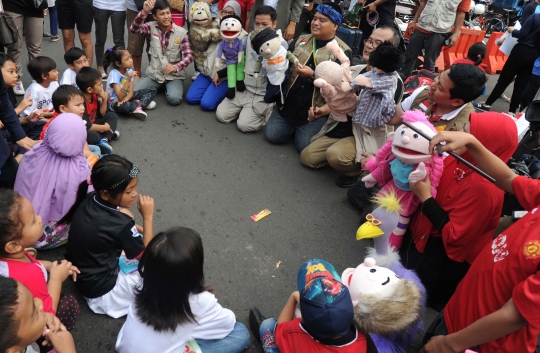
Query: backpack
point(422, 78)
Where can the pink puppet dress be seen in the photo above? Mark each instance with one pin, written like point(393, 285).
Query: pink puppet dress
point(405, 159)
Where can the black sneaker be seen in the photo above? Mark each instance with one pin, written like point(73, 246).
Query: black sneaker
point(255, 321)
point(345, 181)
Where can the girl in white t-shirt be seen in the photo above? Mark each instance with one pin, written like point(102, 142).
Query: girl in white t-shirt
point(124, 99)
point(173, 310)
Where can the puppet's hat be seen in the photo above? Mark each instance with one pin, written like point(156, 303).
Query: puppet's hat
point(262, 37)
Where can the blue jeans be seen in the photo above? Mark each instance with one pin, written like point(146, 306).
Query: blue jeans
point(279, 131)
point(235, 342)
point(267, 333)
point(53, 20)
point(204, 92)
point(95, 150)
point(174, 90)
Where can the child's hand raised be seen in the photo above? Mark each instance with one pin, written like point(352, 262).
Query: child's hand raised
point(61, 271)
point(61, 341)
point(27, 101)
point(132, 73)
point(145, 205)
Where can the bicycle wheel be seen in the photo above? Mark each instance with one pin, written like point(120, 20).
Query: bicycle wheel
point(496, 25)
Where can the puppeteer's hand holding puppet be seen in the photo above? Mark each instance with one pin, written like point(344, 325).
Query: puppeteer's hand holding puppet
point(376, 104)
point(273, 57)
point(334, 81)
point(404, 159)
point(232, 49)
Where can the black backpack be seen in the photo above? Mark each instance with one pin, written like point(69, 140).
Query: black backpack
point(422, 78)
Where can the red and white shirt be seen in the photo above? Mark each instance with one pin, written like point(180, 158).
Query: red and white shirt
point(508, 269)
point(33, 275)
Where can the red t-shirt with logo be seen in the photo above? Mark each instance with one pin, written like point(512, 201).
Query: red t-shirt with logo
point(508, 269)
point(291, 338)
point(92, 108)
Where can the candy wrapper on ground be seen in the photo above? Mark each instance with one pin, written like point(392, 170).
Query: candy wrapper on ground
point(258, 216)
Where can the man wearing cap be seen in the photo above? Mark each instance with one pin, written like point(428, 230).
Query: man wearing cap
point(305, 111)
point(327, 314)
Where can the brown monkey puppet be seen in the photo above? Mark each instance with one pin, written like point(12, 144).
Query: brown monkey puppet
point(202, 32)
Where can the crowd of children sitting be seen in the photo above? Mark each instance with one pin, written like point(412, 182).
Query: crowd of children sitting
point(71, 178)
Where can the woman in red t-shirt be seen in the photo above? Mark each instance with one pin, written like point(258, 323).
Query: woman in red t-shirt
point(496, 306)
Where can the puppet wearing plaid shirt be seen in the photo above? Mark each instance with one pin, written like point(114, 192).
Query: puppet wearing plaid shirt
point(376, 104)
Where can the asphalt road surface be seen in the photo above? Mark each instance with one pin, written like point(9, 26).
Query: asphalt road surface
point(211, 177)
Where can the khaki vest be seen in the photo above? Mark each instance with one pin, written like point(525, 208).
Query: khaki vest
point(304, 52)
point(172, 55)
point(455, 124)
point(439, 15)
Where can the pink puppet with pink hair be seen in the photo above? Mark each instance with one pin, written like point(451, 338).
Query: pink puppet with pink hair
point(405, 159)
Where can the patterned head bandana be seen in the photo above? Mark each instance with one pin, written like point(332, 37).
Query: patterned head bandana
point(331, 13)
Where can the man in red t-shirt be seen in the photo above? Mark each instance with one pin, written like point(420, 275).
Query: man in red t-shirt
point(326, 325)
point(496, 307)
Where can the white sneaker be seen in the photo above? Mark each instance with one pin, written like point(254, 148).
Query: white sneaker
point(151, 106)
point(139, 114)
point(195, 74)
point(19, 89)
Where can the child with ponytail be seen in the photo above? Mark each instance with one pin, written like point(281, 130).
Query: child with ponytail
point(20, 227)
point(120, 82)
point(102, 228)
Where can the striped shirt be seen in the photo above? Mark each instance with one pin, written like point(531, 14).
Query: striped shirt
point(376, 105)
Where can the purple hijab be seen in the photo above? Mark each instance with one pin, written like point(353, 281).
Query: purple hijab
point(51, 172)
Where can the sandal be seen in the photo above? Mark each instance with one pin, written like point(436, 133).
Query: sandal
point(503, 96)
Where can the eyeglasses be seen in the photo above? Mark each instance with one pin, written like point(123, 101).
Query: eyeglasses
point(375, 221)
point(372, 43)
point(227, 13)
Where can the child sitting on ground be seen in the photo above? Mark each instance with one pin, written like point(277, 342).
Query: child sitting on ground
point(24, 321)
point(475, 55)
point(327, 313)
point(20, 227)
point(123, 98)
point(75, 59)
point(173, 307)
point(31, 124)
point(101, 228)
point(43, 71)
point(96, 99)
point(49, 176)
point(69, 99)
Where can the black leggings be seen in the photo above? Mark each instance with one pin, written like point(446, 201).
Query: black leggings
point(93, 137)
point(519, 65)
point(530, 91)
